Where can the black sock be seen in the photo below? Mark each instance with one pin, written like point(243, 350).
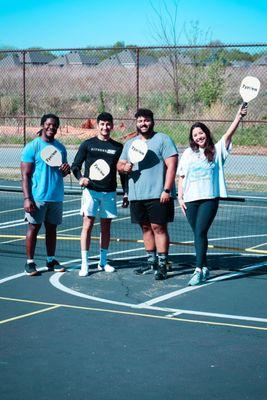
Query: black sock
point(151, 257)
point(162, 259)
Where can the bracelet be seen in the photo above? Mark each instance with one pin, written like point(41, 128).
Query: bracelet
point(26, 198)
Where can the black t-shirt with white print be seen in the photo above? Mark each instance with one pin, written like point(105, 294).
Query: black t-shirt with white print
point(94, 149)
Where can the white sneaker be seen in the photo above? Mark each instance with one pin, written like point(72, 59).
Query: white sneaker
point(83, 271)
point(107, 268)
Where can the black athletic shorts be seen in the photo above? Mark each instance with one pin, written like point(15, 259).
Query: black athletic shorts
point(152, 211)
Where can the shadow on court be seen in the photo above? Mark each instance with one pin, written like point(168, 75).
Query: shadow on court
point(117, 336)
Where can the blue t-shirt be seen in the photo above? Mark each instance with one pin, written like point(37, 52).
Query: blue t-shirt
point(47, 182)
point(147, 178)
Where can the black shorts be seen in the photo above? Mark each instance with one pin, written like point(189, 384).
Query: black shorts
point(152, 211)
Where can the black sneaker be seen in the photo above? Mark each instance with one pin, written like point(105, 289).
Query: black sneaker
point(31, 270)
point(169, 265)
point(146, 269)
point(55, 266)
point(161, 273)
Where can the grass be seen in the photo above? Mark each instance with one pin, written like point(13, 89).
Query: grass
point(256, 183)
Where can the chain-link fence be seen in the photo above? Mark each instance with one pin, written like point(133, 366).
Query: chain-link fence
point(180, 84)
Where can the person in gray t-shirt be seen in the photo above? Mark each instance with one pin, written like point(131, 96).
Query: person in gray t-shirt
point(151, 191)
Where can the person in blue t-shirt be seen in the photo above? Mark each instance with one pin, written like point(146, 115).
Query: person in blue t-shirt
point(202, 183)
point(152, 191)
point(43, 191)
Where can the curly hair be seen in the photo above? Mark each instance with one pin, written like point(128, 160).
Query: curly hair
point(209, 150)
point(47, 116)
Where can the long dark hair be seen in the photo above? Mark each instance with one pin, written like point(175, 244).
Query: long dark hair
point(209, 150)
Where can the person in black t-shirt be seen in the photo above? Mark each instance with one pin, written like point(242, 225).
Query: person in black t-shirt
point(99, 195)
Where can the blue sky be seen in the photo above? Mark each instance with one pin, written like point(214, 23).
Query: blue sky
point(82, 23)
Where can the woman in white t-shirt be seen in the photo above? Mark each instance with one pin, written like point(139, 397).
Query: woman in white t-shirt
point(201, 184)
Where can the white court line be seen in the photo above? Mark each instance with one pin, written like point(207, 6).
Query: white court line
point(41, 269)
point(54, 280)
point(61, 231)
point(259, 245)
point(12, 222)
point(172, 311)
point(66, 214)
point(95, 224)
point(238, 237)
point(19, 222)
point(238, 273)
point(11, 277)
point(147, 305)
point(171, 295)
point(209, 282)
point(22, 209)
point(241, 206)
point(214, 315)
point(12, 210)
point(12, 241)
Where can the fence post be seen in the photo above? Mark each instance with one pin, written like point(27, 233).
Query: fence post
point(137, 79)
point(24, 96)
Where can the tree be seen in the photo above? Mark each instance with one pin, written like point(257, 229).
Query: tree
point(212, 88)
point(168, 32)
point(165, 30)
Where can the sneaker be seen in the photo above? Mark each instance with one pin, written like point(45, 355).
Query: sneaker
point(205, 274)
point(161, 272)
point(196, 278)
point(169, 265)
point(146, 269)
point(55, 266)
point(107, 268)
point(31, 270)
point(84, 271)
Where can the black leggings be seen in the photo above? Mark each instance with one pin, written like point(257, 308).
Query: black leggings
point(200, 215)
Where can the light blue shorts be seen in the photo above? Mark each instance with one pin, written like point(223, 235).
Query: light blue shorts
point(48, 211)
point(102, 203)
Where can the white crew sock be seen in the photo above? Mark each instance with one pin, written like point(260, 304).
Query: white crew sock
point(85, 255)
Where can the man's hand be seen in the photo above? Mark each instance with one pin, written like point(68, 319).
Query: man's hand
point(125, 201)
point(165, 197)
point(128, 167)
point(65, 169)
point(84, 182)
point(29, 205)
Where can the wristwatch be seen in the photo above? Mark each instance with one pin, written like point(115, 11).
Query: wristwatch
point(167, 191)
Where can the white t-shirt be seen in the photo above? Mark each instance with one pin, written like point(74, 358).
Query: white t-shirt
point(203, 179)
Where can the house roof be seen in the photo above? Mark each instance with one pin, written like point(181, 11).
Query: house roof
point(261, 61)
point(241, 63)
point(61, 60)
point(75, 57)
point(179, 58)
point(12, 60)
point(127, 58)
point(35, 58)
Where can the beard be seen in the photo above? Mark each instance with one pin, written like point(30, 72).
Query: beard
point(148, 132)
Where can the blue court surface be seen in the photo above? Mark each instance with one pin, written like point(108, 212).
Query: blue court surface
point(122, 336)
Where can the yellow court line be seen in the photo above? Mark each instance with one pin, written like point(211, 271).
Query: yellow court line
point(106, 310)
point(4, 321)
point(115, 239)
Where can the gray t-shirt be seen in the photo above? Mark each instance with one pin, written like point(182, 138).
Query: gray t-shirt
point(147, 178)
